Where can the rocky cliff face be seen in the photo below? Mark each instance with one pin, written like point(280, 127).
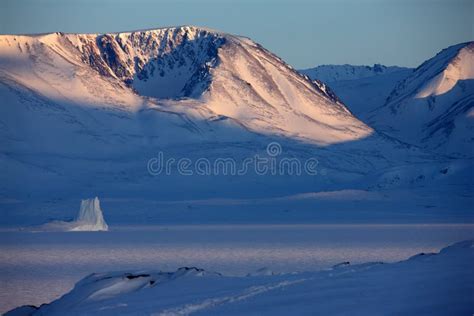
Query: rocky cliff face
point(182, 55)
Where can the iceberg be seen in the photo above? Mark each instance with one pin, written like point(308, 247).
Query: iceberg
point(90, 218)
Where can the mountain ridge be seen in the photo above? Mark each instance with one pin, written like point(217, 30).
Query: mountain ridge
point(189, 64)
point(333, 73)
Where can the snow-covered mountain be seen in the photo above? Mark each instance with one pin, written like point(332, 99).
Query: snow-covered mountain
point(335, 73)
point(361, 88)
point(87, 111)
point(82, 114)
point(225, 76)
point(434, 106)
point(430, 106)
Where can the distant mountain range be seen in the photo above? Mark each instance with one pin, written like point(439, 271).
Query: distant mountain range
point(335, 73)
point(434, 106)
point(430, 106)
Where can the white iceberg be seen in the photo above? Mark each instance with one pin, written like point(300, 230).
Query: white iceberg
point(90, 218)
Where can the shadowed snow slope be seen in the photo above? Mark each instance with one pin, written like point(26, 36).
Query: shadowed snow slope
point(425, 284)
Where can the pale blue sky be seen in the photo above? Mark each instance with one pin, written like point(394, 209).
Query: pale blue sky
point(304, 33)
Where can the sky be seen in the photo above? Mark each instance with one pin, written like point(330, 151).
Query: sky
point(304, 33)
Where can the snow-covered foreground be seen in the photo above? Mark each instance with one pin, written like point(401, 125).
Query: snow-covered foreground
point(431, 284)
point(40, 267)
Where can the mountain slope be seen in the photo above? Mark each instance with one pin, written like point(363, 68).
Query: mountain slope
point(336, 73)
point(361, 88)
point(433, 106)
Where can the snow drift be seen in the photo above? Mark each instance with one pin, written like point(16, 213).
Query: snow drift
point(432, 284)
